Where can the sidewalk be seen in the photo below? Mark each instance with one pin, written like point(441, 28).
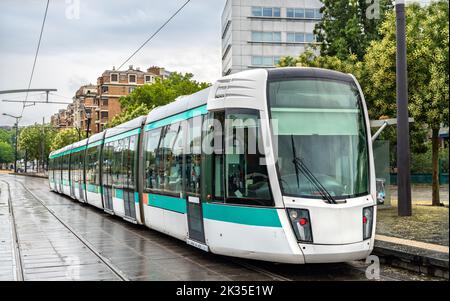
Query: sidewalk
point(419, 242)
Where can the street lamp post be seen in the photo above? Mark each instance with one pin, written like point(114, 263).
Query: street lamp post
point(403, 150)
point(88, 117)
point(16, 138)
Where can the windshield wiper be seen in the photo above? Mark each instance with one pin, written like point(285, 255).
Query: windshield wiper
point(300, 166)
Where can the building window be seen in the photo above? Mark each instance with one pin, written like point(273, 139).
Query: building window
point(104, 89)
point(105, 102)
point(318, 14)
point(303, 13)
point(114, 78)
point(309, 13)
point(104, 115)
point(260, 36)
point(132, 78)
point(258, 11)
point(266, 61)
point(149, 79)
point(131, 89)
point(295, 13)
point(309, 38)
point(295, 37)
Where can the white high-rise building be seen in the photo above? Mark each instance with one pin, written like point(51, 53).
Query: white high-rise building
point(257, 33)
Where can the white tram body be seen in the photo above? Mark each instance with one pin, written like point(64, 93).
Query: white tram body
point(308, 196)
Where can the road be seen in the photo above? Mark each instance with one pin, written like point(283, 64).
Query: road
point(51, 237)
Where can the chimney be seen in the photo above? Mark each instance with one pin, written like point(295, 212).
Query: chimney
point(156, 70)
point(130, 67)
point(114, 68)
point(138, 68)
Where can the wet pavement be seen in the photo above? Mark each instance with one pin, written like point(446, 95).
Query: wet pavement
point(62, 239)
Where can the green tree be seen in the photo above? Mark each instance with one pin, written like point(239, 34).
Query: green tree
point(6, 152)
point(34, 139)
point(6, 135)
point(147, 97)
point(428, 67)
point(348, 26)
point(65, 137)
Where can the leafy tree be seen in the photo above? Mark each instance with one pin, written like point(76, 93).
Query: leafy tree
point(65, 137)
point(428, 67)
point(147, 97)
point(348, 26)
point(6, 135)
point(6, 152)
point(33, 137)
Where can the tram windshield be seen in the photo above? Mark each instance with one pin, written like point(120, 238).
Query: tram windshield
point(321, 123)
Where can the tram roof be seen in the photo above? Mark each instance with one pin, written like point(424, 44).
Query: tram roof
point(307, 72)
point(96, 137)
point(126, 127)
point(80, 143)
point(181, 104)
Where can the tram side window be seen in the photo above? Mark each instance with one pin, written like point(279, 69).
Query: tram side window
point(217, 119)
point(175, 166)
point(132, 157)
point(117, 164)
point(170, 171)
point(193, 155)
point(152, 139)
point(126, 164)
point(107, 160)
point(246, 178)
point(92, 175)
point(239, 175)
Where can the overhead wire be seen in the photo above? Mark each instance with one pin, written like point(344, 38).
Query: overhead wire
point(155, 33)
point(36, 55)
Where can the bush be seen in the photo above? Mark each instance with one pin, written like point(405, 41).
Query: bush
point(422, 163)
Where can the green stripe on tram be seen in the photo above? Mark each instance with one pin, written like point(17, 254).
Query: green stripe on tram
point(178, 117)
point(96, 143)
point(167, 202)
point(266, 217)
point(123, 135)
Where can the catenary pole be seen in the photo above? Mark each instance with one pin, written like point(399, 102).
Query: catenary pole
point(403, 149)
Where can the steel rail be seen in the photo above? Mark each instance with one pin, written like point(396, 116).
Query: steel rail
point(18, 264)
point(116, 271)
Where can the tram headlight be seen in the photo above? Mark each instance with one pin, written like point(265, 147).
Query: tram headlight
point(367, 220)
point(301, 223)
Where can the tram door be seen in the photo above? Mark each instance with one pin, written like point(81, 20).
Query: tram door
point(193, 170)
point(129, 183)
point(107, 175)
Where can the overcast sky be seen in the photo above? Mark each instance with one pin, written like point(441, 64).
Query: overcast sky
point(75, 50)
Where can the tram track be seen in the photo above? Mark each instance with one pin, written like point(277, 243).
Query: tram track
point(263, 271)
point(17, 258)
point(19, 262)
point(356, 270)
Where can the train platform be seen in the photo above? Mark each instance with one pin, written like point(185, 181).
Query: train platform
point(46, 236)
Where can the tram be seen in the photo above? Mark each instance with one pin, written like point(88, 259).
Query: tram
point(305, 193)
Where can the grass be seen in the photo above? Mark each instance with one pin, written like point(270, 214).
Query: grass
point(427, 223)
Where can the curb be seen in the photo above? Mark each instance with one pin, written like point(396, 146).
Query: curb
point(29, 175)
point(414, 259)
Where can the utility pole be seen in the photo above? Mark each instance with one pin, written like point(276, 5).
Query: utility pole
point(403, 149)
point(15, 146)
point(16, 138)
point(88, 123)
point(43, 144)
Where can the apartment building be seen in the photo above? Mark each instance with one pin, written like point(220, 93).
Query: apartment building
point(257, 33)
point(84, 104)
point(113, 84)
point(98, 104)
